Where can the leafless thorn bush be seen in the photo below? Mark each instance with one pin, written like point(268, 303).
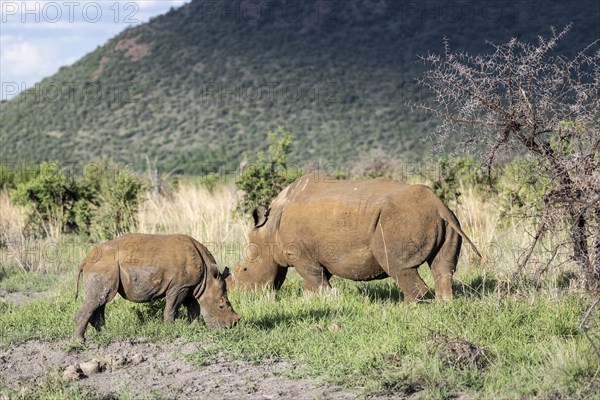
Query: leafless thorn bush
point(525, 99)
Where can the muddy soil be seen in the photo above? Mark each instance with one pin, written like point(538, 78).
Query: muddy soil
point(144, 369)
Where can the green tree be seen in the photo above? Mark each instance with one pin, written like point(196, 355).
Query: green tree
point(263, 179)
point(117, 213)
point(103, 202)
point(49, 197)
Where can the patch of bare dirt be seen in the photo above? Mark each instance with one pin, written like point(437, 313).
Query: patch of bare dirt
point(145, 369)
point(459, 352)
point(134, 50)
point(105, 60)
point(130, 46)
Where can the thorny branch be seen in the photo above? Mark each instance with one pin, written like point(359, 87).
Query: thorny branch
point(527, 99)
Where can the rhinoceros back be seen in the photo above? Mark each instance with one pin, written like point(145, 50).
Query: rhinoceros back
point(148, 265)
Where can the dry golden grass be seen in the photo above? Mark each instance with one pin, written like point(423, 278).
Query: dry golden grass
point(208, 217)
point(504, 242)
point(22, 249)
point(12, 218)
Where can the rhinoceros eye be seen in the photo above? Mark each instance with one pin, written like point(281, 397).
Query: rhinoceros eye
point(245, 268)
point(221, 306)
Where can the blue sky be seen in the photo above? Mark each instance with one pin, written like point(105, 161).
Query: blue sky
point(37, 37)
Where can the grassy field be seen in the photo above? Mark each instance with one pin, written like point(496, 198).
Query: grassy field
point(497, 339)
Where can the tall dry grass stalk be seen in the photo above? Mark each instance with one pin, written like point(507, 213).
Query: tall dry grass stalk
point(12, 218)
point(12, 228)
point(19, 247)
point(204, 215)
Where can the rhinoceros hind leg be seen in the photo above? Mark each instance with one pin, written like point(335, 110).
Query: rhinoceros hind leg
point(97, 320)
point(193, 308)
point(82, 317)
point(443, 265)
point(99, 290)
point(411, 284)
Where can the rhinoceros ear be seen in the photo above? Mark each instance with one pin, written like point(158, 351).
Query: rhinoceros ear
point(225, 273)
point(260, 214)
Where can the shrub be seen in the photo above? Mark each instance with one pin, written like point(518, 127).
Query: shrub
point(117, 213)
point(210, 181)
point(50, 197)
point(453, 172)
point(93, 204)
point(263, 179)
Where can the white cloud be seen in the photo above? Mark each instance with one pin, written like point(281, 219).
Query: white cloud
point(148, 4)
point(25, 61)
point(34, 47)
point(23, 58)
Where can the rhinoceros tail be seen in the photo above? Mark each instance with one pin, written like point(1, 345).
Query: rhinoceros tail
point(450, 218)
point(78, 278)
point(456, 227)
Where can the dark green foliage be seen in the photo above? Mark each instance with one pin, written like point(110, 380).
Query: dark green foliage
point(103, 202)
point(263, 179)
point(12, 175)
point(452, 172)
point(521, 187)
point(118, 208)
point(51, 198)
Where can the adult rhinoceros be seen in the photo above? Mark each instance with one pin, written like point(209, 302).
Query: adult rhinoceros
point(358, 230)
point(142, 268)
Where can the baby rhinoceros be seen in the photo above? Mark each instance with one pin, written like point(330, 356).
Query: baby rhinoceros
point(142, 268)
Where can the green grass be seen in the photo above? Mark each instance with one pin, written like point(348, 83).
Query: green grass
point(16, 280)
point(366, 337)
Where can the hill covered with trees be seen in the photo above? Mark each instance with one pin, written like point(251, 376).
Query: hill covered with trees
point(202, 84)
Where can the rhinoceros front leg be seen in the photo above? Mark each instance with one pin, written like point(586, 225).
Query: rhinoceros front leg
point(193, 308)
point(173, 301)
point(316, 278)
